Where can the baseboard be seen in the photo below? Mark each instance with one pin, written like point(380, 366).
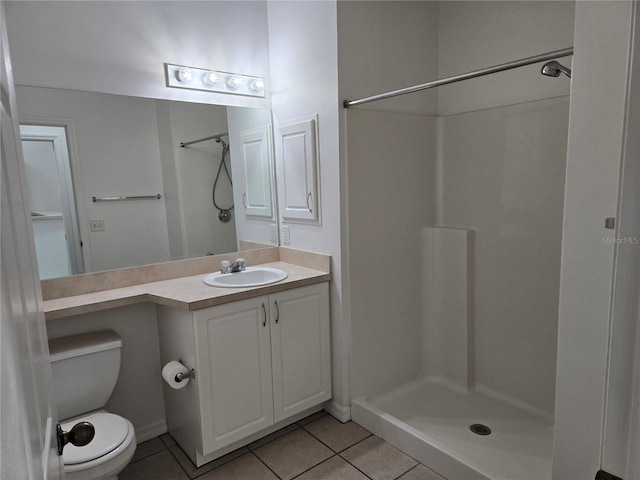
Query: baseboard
point(338, 411)
point(151, 430)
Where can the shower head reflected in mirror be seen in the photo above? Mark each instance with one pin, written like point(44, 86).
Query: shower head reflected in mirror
point(554, 69)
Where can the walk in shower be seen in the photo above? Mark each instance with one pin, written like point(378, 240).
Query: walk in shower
point(455, 230)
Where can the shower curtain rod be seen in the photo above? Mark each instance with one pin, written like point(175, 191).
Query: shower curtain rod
point(565, 52)
point(184, 144)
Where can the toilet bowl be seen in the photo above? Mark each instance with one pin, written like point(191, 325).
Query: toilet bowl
point(85, 370)
point(107, 454)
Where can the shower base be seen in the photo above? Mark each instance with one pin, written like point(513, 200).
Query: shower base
point(430, 421)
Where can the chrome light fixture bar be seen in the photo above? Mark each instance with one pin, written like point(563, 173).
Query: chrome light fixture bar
point(192, 78)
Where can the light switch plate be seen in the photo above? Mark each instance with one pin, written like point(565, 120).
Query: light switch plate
point(96, 225)
point(274, 232)
point(286, 239)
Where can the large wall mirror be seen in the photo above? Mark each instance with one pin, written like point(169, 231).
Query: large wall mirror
point(112, 187)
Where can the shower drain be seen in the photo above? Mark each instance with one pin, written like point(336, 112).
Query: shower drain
point(480, 429)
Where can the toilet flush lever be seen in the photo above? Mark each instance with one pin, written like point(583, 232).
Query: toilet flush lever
point(80, 435)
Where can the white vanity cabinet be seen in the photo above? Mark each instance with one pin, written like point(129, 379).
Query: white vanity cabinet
point(233, 368)
point(257, 362)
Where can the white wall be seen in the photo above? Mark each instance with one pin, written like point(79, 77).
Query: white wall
point(114, 153)
point(138, 395)
point(387, 45)
point(478, 34)
point(303, 52)
point(120, 47)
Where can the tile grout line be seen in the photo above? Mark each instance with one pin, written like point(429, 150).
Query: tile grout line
point(337, 452)
point(355, 467)
point(146, 457)
point(178, 462)
point(164, 447)
point(298, 427)
point(394, 478)
point(268, 467)
point(347, 460)
point(316, 465)
point(404, 473)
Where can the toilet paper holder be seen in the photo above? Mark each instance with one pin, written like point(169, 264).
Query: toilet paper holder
point(191, 374)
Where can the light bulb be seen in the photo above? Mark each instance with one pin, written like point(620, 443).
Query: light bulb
point(210, 78)
point(184, 75)
point(233, 82)
point(257, 85)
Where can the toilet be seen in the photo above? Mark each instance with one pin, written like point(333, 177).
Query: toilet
point(85, 370)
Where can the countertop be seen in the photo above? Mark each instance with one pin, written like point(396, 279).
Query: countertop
point(186, 293)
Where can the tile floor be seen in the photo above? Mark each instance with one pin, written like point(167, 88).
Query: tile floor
point(316, 448)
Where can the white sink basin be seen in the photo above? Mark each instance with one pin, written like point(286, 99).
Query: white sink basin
point(251, 277)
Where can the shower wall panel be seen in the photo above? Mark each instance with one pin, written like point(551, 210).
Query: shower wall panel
point(447, 303)
point(371, 63)
point(391, 196)
point(503, 175)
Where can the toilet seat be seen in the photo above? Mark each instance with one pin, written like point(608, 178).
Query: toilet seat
point(106, 466)
point(110, 432)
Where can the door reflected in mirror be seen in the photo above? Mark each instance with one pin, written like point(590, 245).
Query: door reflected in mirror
point(53, 213)
point(120, 147)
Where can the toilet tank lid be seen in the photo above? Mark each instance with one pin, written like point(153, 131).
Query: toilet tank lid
point(83, 344)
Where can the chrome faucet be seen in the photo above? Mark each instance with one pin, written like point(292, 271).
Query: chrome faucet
point(237, 266)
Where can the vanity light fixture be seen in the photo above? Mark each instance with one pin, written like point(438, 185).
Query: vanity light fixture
point(192, 78)
point(257, 85)
point(234, 81)
point(184, 75)
point(210, 78)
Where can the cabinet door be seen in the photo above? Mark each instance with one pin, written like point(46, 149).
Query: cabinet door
point(234, 371)
point(298, 170)
point(300, 340)
point(257, 164)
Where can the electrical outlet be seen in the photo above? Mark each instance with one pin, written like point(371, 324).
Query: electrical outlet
point(286, 239)
point(274, 232)
point(96, 225)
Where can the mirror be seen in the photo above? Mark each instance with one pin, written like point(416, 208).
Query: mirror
point(115, 164)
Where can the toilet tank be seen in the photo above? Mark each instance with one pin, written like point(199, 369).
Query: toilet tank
point(85, 371)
